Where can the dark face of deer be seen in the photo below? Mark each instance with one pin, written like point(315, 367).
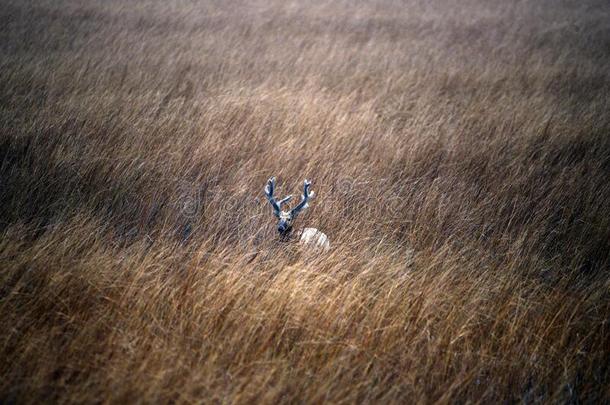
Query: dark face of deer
point(285, 223)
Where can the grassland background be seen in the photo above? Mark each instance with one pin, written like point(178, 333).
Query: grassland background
point(460, 152)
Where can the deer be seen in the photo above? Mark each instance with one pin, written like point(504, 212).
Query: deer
point(310, 237)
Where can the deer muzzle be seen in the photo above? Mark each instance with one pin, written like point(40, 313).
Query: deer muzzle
point(283, 227)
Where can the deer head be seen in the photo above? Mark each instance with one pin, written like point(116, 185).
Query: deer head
point(286, 217)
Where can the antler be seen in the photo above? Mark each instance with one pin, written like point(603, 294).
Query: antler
point(304, 199)
point(269, 188)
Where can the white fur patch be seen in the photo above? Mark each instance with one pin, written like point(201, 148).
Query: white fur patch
point(313, 237)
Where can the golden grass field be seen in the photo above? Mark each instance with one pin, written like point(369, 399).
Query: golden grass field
point(460, 153)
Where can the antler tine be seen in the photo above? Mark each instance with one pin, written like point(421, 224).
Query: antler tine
point(304, 198)
point(284, 200)
point(269, 194)
point(269, 188)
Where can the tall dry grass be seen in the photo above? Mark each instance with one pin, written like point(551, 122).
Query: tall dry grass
point(461, 157)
